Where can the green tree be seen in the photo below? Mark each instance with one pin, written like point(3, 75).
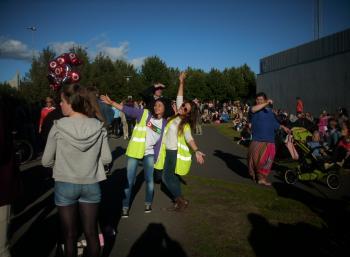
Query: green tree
point(172, 86)
point(37, 86)
point(102, 74)
point(126, 81)
point(216, 84)
point(233, 81)
point(247, 87)
point(154, 70)
point(196, 84)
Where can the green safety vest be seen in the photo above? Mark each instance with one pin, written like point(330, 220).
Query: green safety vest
point(184, 156)
point(137, 144)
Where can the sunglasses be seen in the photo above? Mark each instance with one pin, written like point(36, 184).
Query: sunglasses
point(184, 107)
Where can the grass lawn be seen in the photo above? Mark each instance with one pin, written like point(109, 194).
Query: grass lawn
point(228, 219)
point(227, 130)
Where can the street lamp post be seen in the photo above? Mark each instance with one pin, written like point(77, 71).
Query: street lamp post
point(32, 29)
point(127, 82)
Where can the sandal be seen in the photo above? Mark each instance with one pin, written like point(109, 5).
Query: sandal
point(264, 182)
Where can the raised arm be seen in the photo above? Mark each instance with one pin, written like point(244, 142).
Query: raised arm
point(107, 100)
point(180, 91)
point(259, 107)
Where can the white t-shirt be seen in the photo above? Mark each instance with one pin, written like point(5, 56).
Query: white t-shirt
point(153, 132)
point(171, 135)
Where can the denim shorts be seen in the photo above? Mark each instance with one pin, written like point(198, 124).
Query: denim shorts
point(69, 193)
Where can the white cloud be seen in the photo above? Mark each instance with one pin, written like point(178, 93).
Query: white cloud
point(137, 62)
point(63, 47)
point(15, 49)
point(114, 53)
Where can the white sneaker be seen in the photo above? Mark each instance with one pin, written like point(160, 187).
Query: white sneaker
point(148, 208)
point(125, 213)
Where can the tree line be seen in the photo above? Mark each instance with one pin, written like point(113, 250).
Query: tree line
point(120, 79)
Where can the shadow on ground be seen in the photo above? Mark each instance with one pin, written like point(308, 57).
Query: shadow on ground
point(233, 162)
point(302, 239)
point(33, 228)
point(156, 242)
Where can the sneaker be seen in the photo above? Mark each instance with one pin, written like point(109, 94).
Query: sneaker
point(148, 208)
point(264, 182)
point(125, 213)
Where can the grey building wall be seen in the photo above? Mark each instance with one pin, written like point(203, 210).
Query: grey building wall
point(322, 81)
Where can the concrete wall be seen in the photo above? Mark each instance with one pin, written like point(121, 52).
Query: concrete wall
point(323, 84)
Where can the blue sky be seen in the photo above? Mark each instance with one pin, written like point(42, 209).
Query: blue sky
point(198, 33)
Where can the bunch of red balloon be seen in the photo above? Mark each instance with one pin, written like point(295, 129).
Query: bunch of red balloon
point(61, 70)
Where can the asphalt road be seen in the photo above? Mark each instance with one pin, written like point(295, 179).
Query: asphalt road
point(35, 229)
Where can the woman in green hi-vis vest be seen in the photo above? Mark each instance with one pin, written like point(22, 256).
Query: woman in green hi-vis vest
point(144, 144)
point(178, 145)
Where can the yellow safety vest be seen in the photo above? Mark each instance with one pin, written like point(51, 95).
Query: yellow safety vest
point(184, 156)
point(137, 144)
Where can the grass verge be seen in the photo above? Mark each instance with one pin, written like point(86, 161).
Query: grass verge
point(228, 219)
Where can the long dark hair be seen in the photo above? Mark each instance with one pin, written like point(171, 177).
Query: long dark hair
point(161, 100)
point(189, 118)
point(77, 96)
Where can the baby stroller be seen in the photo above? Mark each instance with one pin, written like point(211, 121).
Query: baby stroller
point(304, 166)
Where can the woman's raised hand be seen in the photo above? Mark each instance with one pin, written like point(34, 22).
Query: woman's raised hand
point(182, 76)
point(106, 99)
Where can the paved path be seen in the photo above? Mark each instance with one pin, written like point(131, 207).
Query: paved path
point(224, 160)
point(35, 220)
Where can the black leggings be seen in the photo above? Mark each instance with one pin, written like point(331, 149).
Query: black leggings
point(69, 218)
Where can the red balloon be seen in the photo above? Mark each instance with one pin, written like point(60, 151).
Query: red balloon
point(61, 71)
point(75, 76)
point(74, 59)
point(53, 65)
point(63, 59)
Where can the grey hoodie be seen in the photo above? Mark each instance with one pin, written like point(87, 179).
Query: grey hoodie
point(77, 148)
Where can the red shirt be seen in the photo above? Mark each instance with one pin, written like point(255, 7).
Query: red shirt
point(300, 106)
point(44, 112)
point(345, 144)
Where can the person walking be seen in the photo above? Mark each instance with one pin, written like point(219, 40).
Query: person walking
point(261, 152)
point(46, 110)
point(77, 149)
point(178, 146)
point(116, 122)
point(144, 145)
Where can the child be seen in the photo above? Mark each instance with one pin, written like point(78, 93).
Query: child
point(316, 147)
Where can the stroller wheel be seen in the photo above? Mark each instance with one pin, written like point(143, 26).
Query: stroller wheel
point(333, 181)
point(290, 176)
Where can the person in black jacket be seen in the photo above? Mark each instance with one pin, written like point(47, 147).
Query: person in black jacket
point(151, 94)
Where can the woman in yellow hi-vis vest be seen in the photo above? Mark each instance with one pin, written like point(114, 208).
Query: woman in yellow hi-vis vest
point(144, 145)
point(178, 146)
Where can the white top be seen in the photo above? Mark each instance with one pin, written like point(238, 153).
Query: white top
point(171, 135)
point(153, 132)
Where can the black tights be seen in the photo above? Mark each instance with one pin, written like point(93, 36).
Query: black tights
point(69, 218)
